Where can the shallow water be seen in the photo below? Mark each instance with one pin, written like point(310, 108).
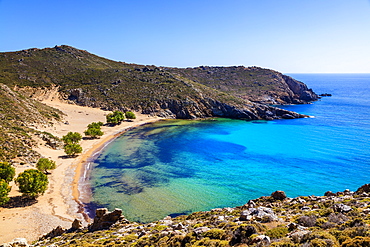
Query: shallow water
point(179, 166)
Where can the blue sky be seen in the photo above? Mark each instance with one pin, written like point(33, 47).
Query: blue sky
point(291, 36)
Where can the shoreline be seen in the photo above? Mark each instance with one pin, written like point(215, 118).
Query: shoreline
point(84, 160)
point(57, 206)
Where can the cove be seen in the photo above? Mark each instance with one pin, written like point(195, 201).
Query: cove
point(180, 166)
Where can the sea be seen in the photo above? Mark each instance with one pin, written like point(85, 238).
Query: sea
point(176, 167)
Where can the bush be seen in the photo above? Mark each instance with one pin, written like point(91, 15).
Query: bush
point(130, 115)
point(115, 118)
point(215, 234)
point(72, 149)
point(357, 242)
point(72, 138)
point(7, 172)
point(32, 183)
point(95, 125)
point(277, 232)
point(4, 192)
point(93, 132)
point(45, 164)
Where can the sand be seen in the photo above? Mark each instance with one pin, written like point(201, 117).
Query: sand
point(58, 205)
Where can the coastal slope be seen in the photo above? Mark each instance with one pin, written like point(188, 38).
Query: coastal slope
point(335, 219)
point(90, 80)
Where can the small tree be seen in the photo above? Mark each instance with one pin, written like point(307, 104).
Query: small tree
point(130, 115)
point(45, 164)
point(93, 132)
point(115, 118)
point(4, 192)
point(32, 183)
point(72, 149)
point(95, 125)
point(7, 172)
point(72, 138)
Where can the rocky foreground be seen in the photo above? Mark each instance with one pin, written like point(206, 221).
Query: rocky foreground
point(335, 219)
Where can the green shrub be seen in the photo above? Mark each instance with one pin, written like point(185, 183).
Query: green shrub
point(284, 243)
point(130, 115)
point(215, 234)
point(45, 164)
point(72, 138)
point(4, 192)
point(357, 242)
point(277, 232)
point(72, 149)
point(7, 172)
point(93, 132)
point(115, 117)
point(32, 183)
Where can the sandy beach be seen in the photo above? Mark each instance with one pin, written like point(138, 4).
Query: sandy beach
point(58, 205)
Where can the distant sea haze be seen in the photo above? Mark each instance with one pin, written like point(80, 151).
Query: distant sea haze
point(178, 166)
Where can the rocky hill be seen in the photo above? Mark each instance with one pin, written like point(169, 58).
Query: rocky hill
point(18, 114)
point(89, 80)
point(335, 219)
point(255, 84)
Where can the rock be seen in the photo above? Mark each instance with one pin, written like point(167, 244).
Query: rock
point(341, 208)
point(242, 234)
point(17, 242)
point(201, 230)
point(298, 235)
point(77, 224)
point(329, 193)
point(261, 240)
point(363, 189)
point(104, 219)
point(55, 232)
point(262, 214)
point(178, 227)
point(278, 195)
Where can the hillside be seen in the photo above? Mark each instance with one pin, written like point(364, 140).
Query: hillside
point(336, 219)
point(255, 84)
point(18, 114)
point(89, 80)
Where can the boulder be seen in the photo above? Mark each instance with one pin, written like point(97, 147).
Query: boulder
point(364, 188)
point(242, 234)
point(104, 219)
point(341, 208)
point(17, 242)
point(201, 230)
point(55, 232)
point(76, 225)
point(278, 195)
point(262, 214)
point(261, 240)
point(329, 193)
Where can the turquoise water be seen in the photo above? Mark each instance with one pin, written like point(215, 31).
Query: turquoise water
point(178, 166)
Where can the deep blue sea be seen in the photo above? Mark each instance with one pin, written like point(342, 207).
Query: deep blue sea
point(178, 166)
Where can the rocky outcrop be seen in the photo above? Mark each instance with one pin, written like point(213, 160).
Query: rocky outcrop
point(104, 219)
point(337, 220)
point(301, 94)
point(207, 107)
point(18, 242)
point(278, 195)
